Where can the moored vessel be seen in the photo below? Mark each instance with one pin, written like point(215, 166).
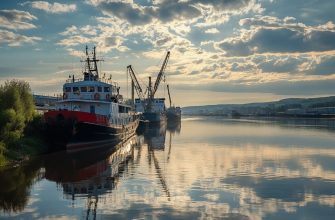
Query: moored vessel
point(173, 113)
point(152, 109)
point(91, 105)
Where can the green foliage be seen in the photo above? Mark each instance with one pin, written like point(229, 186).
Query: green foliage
point(16, 110)
point(3, 160)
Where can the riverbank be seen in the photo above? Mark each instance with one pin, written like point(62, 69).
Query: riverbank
point(22, 130)
point(32, 143)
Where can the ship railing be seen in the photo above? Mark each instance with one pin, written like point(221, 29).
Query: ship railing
point(74, 80)
point(108, 81)
point(121, 120)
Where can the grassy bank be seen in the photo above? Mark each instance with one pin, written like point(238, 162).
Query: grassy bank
point(21, 128)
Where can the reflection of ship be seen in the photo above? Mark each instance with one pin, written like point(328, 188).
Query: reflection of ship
point(90, 174)
point(174, 126)
point(154, 137)
point(89, 171)
point(152, 109)
point(154, 134)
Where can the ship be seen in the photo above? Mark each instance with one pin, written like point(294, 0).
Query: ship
point(91, 105)
point(152, 109)
point(173, 113)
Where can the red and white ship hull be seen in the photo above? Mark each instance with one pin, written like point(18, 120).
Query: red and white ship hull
point(79, 130)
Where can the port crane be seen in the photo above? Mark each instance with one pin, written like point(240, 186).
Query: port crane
point(160, 76)
point(168, 89)
point(135, 83)
point(147, 102)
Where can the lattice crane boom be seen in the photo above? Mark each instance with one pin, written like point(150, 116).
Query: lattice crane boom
point(160, 75)
point(168, 89)
point(137, 85)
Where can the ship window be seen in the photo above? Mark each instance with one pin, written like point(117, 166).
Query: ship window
point(92, 109)
point(122, 109)
point(83, 89)
point(106, 89)
point(91, 89)
point(75, 90)
point(99, 89)
point(67, 89)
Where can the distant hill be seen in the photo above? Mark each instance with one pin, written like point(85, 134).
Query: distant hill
point(284, 106)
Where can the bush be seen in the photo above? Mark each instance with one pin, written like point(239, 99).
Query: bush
point(16, 110)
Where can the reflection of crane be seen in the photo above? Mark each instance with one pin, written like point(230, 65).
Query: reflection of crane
point(159, 174)
point(168, 158)
point(95, 205)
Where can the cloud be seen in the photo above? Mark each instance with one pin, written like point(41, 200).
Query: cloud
point(107, 43)
point(54, 8)
point(13, 39)
point(16, 20)
point(279, 64)
point(72, 30)
point(172, 10)
point(74, 40)
point(324, 65)
point(212, 31)
point(127, 11)
point(269, 34)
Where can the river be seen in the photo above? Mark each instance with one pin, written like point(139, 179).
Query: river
point(203, 168)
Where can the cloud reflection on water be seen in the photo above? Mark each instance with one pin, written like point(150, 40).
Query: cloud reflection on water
point(214, 169)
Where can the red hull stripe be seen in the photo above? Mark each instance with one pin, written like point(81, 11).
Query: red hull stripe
point(78, 116)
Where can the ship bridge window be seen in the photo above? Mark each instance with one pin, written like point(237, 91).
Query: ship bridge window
point(91, 89)
point(123, 109)
point(99, 89)
point(67, 89)
point(107, 89)
point(83, 89)
point(75, 90)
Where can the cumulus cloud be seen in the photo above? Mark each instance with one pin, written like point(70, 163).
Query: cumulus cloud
point(13, 39)
point(323, 65)
point(16, 20)
point(265, 49)
point(70, 31)
point(54, 8)
point(212, 31)
point(278, 64)
point(74, 40)
point(273, 35)
point(171, 10)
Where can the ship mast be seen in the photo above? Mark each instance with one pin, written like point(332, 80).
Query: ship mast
point(91, 67)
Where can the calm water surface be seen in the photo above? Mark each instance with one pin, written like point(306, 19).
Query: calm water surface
point(203, 168)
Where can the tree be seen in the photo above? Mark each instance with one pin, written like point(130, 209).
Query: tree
point(16, 110)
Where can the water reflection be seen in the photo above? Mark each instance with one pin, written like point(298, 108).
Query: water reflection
point(212, 168)
point(15, 186)
point(90, 175)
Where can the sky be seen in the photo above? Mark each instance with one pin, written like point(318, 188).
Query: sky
point(222, 51)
